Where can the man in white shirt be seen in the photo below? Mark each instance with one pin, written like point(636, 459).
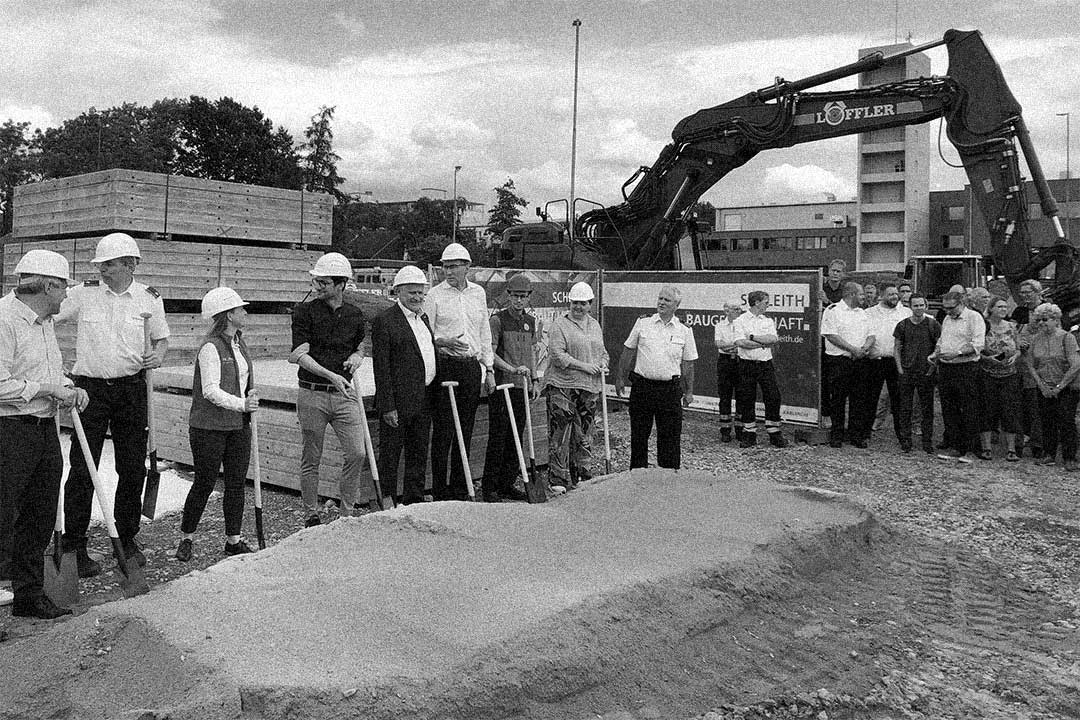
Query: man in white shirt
point(963, 336)
point(459, 319)
point(727, 369)
point(755, 336)
point(883, 319)
point(847, 344)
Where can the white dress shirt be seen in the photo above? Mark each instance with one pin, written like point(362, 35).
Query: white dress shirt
point(423, 341)
point(461, 314)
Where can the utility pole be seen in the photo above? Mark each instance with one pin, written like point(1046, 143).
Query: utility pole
point(453, 237)
point(571, 219)
point(1068, 172)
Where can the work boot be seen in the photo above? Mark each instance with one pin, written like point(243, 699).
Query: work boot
point(725, 434)
point(88, 567)
point(777, 439)
point(313, 520)
point(41, 608)
point(132, 551)
point(237, 548)
point(749, 439)
point(185, 550)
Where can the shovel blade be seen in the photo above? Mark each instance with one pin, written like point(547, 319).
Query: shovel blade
point(150, 490)
point(535, 491)
point(62, 579)
point(131, 576)
point(259, 534)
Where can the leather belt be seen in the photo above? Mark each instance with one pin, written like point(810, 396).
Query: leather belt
point(318, 387)
point(136, 379)
point(28, 419)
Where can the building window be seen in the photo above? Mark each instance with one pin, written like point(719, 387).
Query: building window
point(953, 242)
point(954, 212)
point(732, 222)
point(819, 216)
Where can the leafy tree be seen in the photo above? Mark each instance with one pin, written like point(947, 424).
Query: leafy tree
point(16, 166)
point(319, 162)
point(507, 208)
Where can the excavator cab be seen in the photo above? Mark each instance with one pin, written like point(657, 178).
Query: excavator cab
point(536, 245)
point(933, 275)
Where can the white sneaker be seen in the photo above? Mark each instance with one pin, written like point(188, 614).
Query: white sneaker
point(6, 596)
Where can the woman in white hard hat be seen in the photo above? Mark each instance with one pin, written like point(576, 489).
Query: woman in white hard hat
point(222, 398)
point(572, 387)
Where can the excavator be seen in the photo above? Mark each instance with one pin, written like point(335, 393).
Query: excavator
point(983, 121)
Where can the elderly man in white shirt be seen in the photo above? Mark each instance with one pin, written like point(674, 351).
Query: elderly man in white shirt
point(883, 319)
point(963, 336)
point(847, 344)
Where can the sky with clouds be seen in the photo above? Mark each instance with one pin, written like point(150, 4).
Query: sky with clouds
point(423, 86)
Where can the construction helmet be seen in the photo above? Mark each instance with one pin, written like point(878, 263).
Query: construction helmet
point(43, 262)
point(580, 292)
point(519, 283)
point(116, 245)
point(332, 265)
point(219, 300)
point(455, 251)
point(410, 275)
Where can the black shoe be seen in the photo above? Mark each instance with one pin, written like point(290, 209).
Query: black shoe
point(860, 443)
point(133, 552)
point(928, 448)
point(515, 495)
point(836, 443)
point(905, 447)
point(1036, 452)
point(944, 446)
point(41, 608)
point(583, 476)
point(725, 434)
point(237, 548)
point(88, 567)
point(777, 439)
point(749, 440)
point(491, 496)
point(185, 550)
point(313, 520)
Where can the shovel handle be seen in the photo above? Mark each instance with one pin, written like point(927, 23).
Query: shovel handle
point(151, 440)
point(369, 446)
point(528, 419)
point(513, 430)
point(450, 385)
point(91, 466)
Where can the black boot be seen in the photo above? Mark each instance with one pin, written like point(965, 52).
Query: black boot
point(749, 439)
point(725, 434)
point(777, 439)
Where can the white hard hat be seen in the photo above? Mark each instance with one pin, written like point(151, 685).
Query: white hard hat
point(410, 275)
point(332, 265)
point(219, 300)
point(581, 291)
point(455, 251)
point(116, 245)
point(43, 262)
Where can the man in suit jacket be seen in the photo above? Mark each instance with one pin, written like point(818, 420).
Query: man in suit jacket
point(403, 356)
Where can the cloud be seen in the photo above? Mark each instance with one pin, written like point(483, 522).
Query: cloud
point(790, 183)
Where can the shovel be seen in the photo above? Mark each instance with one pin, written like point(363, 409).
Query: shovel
point(385, 502)
point(450, 385)
point(132, 580)
point(257, 472)
point(517, 439)
point(534, 491)
point(607, 433)
point(153, 475)
point(61, 568)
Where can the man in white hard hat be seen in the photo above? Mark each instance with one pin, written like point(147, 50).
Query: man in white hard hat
point(661, 352)
point(403, 358)
point(572, 385)
point(111, 365)
point(32, 385)
point(459, 315)
point(327, 342)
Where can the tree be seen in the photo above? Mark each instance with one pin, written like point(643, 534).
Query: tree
point(507, 208)
point(319, 163)
point(16, 167)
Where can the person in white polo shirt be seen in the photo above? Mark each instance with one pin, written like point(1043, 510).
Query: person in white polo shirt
point(883, 319)
point(755, 336)
point(847, 343)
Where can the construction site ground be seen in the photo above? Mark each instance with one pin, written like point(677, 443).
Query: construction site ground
point(902, 586)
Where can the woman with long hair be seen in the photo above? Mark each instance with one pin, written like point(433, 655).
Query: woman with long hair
point(1002, 383)
point(1053, 361)
point(222, 400)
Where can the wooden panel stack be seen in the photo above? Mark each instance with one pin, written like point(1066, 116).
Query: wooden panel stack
point(143, 202)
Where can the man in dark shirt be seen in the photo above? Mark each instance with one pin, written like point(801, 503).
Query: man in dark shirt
point(326, 340)
point(916, 337)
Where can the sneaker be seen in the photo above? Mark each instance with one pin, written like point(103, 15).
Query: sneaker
point(6, 596)
point(749, 439)
point(313, 520)
point(185, 550)
point(88, 567)
point(132, 551)
point(1045, 460)
point(965, 459)
point(777, 439)
point(237, 548)
point(41, 608)
point(557, 489)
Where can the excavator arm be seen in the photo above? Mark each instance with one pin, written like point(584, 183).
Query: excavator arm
point(983, 121)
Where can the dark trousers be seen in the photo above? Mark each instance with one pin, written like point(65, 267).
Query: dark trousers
point(883, 372)
point(850, 405)
point(958, 385)
point(727, 380)
point(410, 438)
point(909, 385)
point(121, 407)
point(211, 451)
point(754, 374)
point(501, 460)
point(31, 465)
point(1059, 423)
point(650, 401)
point(444, 449)
point(1030, 424)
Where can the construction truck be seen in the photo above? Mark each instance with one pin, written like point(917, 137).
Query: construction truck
point(983, 122)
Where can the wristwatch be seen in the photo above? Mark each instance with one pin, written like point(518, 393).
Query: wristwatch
point(752, 337)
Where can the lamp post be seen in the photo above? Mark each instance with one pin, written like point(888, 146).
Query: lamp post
point(453, 238)
point(570, 215)
point(1068, 172)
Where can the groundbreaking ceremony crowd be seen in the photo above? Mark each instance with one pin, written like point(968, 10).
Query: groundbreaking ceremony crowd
point(435, 352)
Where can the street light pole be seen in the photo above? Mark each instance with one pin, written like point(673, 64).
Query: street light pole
point(570, 215)
point(1068, 172)
point(453, 238)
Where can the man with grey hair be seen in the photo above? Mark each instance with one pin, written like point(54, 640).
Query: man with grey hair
point(963, 335)
point(661, 352)
point(1029, 296)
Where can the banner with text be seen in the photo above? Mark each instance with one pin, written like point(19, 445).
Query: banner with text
point(795, 308)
